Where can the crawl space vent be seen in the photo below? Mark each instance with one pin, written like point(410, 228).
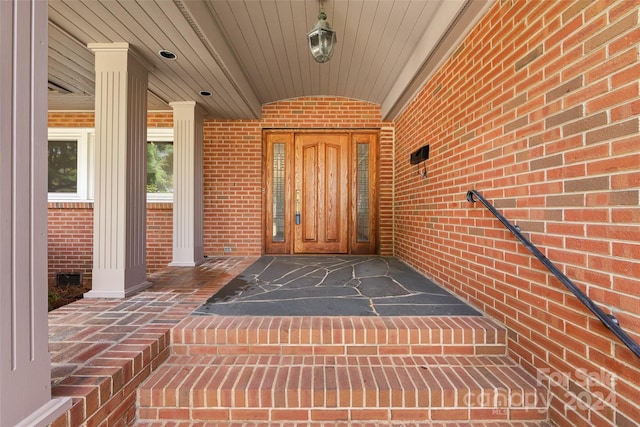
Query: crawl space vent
point(68, 279)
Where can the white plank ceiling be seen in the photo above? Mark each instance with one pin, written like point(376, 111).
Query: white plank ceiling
point(250, 52)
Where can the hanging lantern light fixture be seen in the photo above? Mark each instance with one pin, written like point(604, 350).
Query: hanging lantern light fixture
point(322, 38)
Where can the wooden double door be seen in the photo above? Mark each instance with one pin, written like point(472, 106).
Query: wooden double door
point(320, 192)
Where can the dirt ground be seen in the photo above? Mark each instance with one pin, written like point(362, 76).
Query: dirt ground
point(64, 294)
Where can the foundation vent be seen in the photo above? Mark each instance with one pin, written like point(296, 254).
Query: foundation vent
point(68, 279)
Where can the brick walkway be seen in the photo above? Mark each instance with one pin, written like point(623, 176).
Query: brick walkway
point(101, 350)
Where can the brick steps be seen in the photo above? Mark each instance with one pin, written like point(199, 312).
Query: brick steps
point(464, 335)
point(335, 388)
point(295, 370)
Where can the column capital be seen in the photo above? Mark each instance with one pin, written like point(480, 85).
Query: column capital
point(121, 47)
point(110, 47)
point(187, 105)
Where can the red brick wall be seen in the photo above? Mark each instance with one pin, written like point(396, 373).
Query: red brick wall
point(386, 191)
point(159, 235)
point(538, 110)
point(232, 187)
point(321, 112)
point(70, 242)
point(79, 119)
point(160, 120)
point(61, 119)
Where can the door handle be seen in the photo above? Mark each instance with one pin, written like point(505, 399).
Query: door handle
point(298, 205)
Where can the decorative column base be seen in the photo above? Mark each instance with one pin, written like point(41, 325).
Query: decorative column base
point(187, 263)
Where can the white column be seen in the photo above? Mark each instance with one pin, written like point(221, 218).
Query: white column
point(25, 368)
point(120, 205)
point(188, 247)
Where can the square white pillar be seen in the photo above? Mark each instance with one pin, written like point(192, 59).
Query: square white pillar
point(120, 204)
point(25, 367)
point(188, 246)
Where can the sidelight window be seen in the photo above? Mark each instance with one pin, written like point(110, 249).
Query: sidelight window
point(278, 195)
point(362, 193)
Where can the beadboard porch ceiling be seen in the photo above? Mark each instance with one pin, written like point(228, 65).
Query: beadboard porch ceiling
point(250, 52)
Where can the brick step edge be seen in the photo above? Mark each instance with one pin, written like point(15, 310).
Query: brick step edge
point(338, 416)
point(339, 350)
point(308, 388)
point(344, 424)
point(417, 332)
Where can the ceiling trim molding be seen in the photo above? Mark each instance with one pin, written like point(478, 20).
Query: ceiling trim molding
point(204, 24)
point(412, 78)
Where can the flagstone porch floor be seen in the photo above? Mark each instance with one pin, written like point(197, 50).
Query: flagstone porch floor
point(333, 285)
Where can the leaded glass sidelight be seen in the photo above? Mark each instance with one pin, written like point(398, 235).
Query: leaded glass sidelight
point(363, 214)
point(278, 194)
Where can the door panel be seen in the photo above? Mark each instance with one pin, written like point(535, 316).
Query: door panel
point(321, 180)
point(332, 194)
point(309, 188)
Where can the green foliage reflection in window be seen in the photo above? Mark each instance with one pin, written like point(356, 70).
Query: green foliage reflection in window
point(63, 166)
point(159, 167)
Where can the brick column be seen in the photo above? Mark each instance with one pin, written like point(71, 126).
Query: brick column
point(120, 205)
point(25, 369)
point(188, 246)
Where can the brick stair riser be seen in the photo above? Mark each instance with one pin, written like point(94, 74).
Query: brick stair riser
point(452, 388)
point(337, 350)
point(313, 415)
point(339, 336)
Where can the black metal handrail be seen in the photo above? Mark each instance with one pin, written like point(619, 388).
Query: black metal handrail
point(608, 320)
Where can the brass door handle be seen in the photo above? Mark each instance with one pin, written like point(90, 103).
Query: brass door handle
point(298, 205)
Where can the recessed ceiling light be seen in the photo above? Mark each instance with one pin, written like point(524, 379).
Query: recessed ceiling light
point(205, 93)
point(167, 54)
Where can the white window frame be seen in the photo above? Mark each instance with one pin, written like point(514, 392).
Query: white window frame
point(85, 138)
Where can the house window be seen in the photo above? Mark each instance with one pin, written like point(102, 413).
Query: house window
point(71, 159)
point(69, 169)
point(159, 165)
point(63, 166)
